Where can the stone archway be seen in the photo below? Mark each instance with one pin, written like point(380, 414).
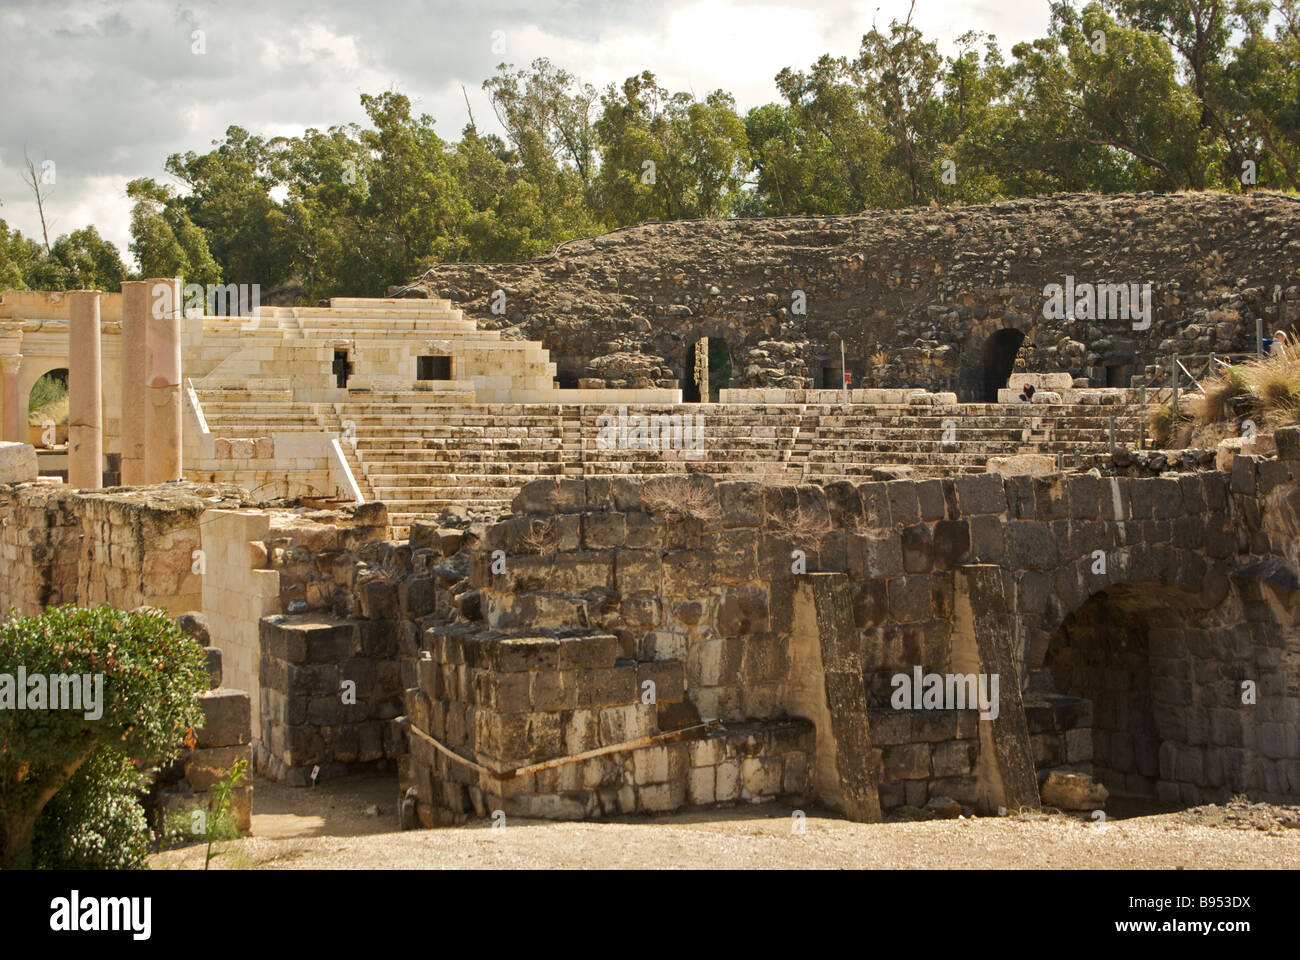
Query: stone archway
point(1145, 696)
point(998, 361)
point(43, 395)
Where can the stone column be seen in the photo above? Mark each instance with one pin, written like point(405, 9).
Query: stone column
point(137, 303)
point(702, 367)
point(85, 393)
point(162, 422)
point(15, 410)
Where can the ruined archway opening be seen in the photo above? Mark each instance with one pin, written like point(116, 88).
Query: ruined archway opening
point(998, 362)
point(1122, 710)
point(47, 409)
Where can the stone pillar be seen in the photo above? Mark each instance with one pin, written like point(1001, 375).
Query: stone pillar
point(702, 367)
point(162, 421)
point(137, 302)
point(85, 393)
point(15, 410)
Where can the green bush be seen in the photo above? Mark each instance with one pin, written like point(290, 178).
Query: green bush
point(95, 822)
point(151, 674)
point(46, 392)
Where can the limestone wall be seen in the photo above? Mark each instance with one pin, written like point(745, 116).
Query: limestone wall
point(124, 548)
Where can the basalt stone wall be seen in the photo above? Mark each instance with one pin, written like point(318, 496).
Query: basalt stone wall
point(916, 296)
point(329, 689)
point(707, 576)
point(507, 702)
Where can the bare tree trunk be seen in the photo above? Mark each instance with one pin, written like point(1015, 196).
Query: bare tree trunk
point(33, 180)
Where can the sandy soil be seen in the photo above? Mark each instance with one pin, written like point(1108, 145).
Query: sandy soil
point(335, 826)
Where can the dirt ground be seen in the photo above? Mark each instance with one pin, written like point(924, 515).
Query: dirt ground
point(352, 824)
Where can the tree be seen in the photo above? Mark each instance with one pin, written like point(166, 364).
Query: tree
point(229, 199)
point(1258, 93)
point(1099, 104)
point(81, 260)
point(668, 157)
point(37, 182)
point(16, 256)
point(163, 237)
point(834, 160)
point(901, 73)
point(147, 674)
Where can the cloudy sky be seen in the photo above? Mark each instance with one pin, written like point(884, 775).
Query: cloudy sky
point(108, 88)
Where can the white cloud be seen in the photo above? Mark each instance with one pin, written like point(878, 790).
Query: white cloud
point(109, 88)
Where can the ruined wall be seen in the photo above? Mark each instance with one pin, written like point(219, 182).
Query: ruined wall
point(186, 547)
point(928, 287)
point(126, 548)
point(696, 579)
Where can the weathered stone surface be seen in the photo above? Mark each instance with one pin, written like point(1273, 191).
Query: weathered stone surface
point(17, 462)
point(1073, 791)
point(226, 716)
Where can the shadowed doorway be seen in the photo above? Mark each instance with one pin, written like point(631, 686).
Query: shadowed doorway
point(999, 361)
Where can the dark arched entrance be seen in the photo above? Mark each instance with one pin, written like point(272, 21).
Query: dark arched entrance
point(998, 361)
point(719, 371)
point(1152, 685)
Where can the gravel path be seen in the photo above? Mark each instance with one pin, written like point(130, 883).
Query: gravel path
point(330, 828)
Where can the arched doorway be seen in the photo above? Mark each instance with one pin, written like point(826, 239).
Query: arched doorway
point(47, 409)
point(719, 371)
point(1155, 715)
point(999, 361)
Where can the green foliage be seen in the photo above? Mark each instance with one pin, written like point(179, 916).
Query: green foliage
point(221, 823)
point(1118, 96)
point(46, 392)
point(152, 674)
point(95, 821)
point(16, 256)
point(668, 157)
point(81, 260)
point(164, 238)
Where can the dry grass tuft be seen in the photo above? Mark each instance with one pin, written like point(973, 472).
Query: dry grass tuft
point(680, 497)
point(803, 527)
point(1212, 405)
point(1164, 426)
point(1275, 379)
point(539, 538)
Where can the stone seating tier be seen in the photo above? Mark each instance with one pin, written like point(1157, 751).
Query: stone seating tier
point(419, 456)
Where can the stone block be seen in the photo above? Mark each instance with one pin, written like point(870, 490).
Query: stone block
point(212, 660)
point(1073, 791)
point(226, 718)
point(909, 761)
point(1288, 443)
point(1022, 465)
point(951, 759)
point(17, 460)
point(205, 768)
point(981, 494)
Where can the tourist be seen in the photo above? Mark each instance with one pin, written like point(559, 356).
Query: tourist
point(1279, 343)
point(1027, 393)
